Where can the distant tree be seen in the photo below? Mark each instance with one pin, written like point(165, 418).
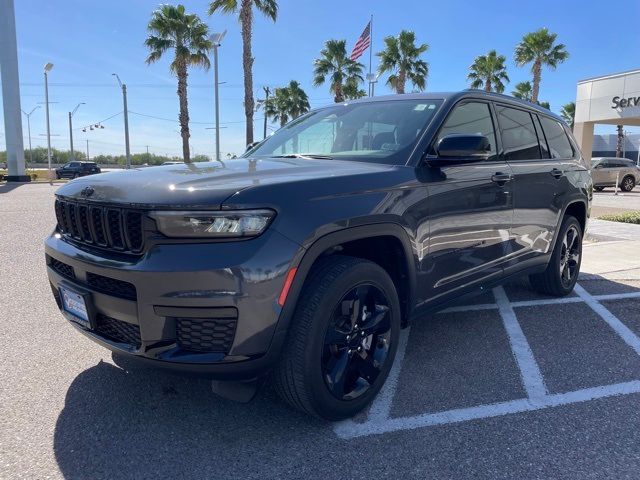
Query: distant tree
point(335, 65)
point(568, 113)
point(546, 105)
point(523, 91)
point(269, 8)
point(540, 49)
point(352, 91)
point(287, 103)
point(401, 56)
point(171, 28)
point(488, 72)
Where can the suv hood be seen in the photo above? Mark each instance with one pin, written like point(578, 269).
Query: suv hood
point(204, 184)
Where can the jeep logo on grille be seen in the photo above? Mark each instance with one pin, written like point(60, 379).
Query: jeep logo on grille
point(86, 191)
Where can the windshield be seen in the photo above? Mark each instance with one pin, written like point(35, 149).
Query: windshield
point(383, 132)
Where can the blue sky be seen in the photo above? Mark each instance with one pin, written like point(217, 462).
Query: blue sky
point(87, 41)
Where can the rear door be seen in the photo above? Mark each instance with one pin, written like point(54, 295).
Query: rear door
point(537, 179)
point(470, 209)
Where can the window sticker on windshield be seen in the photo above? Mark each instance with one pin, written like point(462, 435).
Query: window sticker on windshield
point(422, 106)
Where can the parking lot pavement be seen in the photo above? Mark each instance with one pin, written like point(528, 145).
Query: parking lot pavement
point(511, 384)
point(606, 202)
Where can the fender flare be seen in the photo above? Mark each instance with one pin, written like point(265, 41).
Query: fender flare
point(307, 257)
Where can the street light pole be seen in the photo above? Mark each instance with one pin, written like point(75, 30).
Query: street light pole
point(47, 69)
point(216, 39)
point(126, 120)
point(267, 91)
point(71, 129)
point(87, 149)
point(29, 130)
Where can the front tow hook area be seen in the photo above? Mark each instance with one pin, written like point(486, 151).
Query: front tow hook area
point(239, 391)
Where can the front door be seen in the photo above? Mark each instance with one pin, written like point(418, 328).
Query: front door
point(470, 210)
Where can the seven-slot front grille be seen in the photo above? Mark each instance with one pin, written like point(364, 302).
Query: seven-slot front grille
point(119, 229)
point(206, 335)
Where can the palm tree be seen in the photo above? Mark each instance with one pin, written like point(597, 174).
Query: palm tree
point(568, 113)
point(245, 12)
point(335, 64)
point(488, 72)
point(539, 48)
point(402, 57)
point(287, 103)
point(171, 27)
point(522, 91)
point(298, 100)
point(352, 91)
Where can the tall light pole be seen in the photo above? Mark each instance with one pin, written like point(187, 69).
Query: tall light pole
point(11, 93)
point(216, 39)
point(87, 149)
point(71, 114)
point(267, 91)
point(29, 130)
point(47, 69)
point(126, 120)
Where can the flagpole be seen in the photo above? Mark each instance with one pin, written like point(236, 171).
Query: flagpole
point(370, 53)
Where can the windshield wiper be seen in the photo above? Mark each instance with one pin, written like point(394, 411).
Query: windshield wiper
point(303, 155)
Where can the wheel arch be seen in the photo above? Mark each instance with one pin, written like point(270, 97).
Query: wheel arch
point(344, 242)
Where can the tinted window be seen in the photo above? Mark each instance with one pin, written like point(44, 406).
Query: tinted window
point(559, 144)
point(470, 118)
point(519, 138)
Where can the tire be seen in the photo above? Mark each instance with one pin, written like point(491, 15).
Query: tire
point(598, 189)
point(330, 303)
point(562, 272)
point(628, 183)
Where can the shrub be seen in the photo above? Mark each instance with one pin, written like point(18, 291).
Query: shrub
point(627, 217)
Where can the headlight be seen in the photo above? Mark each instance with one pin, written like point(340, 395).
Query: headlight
point(217, 224)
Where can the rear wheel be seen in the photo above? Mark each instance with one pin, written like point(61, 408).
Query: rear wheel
point(342, 340)
point(562, 272)
point(627, 183)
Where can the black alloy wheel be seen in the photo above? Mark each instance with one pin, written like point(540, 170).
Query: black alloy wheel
point(356, 344)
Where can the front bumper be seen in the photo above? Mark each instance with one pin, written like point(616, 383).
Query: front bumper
point(207, 308)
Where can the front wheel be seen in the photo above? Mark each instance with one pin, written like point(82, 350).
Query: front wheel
point(562, 272)
point(342, 340)
point(628, 183)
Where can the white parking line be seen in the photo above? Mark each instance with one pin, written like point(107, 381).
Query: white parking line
point(352, 430)
point(531, 376)
point(379, 420)
point(614, 322)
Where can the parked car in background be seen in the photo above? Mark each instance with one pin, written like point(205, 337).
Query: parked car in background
point(172, 163)
point(605, 171)
point(77, 169)
point(302, 260)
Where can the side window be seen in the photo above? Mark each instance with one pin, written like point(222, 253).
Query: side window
point(471, 118)
point(559, 144)
point(544, 149)
point(519, 138)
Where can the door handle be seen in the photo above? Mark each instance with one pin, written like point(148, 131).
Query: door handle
point(501, 178)
point(557, 173)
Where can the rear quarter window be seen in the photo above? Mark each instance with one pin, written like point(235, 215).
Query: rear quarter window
point(559, 145)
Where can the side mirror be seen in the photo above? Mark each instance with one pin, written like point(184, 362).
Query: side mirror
point(463, 148)
point(598, 166)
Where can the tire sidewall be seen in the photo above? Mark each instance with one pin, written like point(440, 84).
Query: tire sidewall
point(624, 180)
point(324, 402)
point(555, 258)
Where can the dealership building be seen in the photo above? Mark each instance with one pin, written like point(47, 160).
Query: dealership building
point(612, 100)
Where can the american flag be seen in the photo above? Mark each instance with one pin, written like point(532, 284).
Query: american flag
point(363, 43)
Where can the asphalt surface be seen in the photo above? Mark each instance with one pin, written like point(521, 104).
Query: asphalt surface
point(507, 385)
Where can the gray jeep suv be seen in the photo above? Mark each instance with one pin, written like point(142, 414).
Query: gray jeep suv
point(301, 261)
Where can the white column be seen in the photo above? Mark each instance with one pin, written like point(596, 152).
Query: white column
point(583, 132)
point(11, 92)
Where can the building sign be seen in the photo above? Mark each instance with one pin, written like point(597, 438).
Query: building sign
point(618, 102)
